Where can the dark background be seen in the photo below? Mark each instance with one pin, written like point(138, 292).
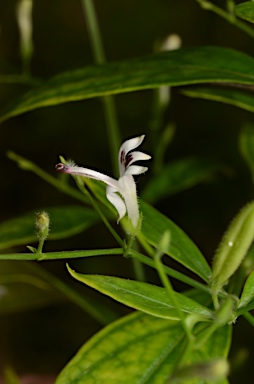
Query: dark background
point(43, 340)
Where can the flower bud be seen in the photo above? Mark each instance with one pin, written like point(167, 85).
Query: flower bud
point(42, 225)
point(233, 248)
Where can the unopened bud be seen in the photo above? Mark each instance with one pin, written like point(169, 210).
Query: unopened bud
point(233, 248)
point(42, 225)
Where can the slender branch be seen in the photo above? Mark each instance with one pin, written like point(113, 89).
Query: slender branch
point(249, 318)
point(168, 286)
point(231, 18)
point(108, 101)
point(99, 211)
point(61, 255)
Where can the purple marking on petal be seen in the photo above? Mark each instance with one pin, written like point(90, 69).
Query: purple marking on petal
point(61, 167)
point(128, 159)
point(122, 156)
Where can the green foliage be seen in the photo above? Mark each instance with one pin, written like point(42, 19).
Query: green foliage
point(225, 65)
point(178, 176)
point(248, 291)
point(142, 296)
point(233, 247)
point(181, 248)
point(175, 335)
point(245, 11)
point(65, 221)
point(140, 348)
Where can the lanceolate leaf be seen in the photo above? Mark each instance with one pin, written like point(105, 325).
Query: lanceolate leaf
point(247, 296)
point(180, 67)
point(139, 349)
point(65, 221)
point(245, 11)
point(181, 248)
point(143, 296)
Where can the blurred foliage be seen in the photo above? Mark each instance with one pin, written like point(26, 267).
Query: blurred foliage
point(77, 130)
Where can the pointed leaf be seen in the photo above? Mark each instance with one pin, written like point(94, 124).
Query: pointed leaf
point(65, 221)
point(181, 248)
point(245, 11)
point(179, 67)
point(142, 296)
point(139, 349)
point(248, 292)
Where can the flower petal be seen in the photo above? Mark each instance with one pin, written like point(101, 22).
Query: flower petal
point(125, 148)
point(135, 170)
point(85, 172)
point(137, 156)
point(117, 201)
point(127, 188)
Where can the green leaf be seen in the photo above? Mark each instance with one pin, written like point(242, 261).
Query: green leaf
point(178, 176)
point(233, 247)
point(181, 248)
point(174, 68)
point(142, 296)
point(238, 97)
point(246, 142)
point(248, 292)
point(245, 11)
point(65, 221)
point(139, 349)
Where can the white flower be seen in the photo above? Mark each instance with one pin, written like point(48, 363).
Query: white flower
point(121, 193)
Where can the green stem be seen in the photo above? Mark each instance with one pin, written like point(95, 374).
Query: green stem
point(108, 101)
point(206, 335)
point(249, 318)
point(40, 245)
point(20, 79)
point(168, 286)
point(47, 280)
point(99, 211)
point(170, 272)
point(61, 255)
point(28, 165)
point(215, 300)
point(98, 252)
point(230, 6)
point(227, 16)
